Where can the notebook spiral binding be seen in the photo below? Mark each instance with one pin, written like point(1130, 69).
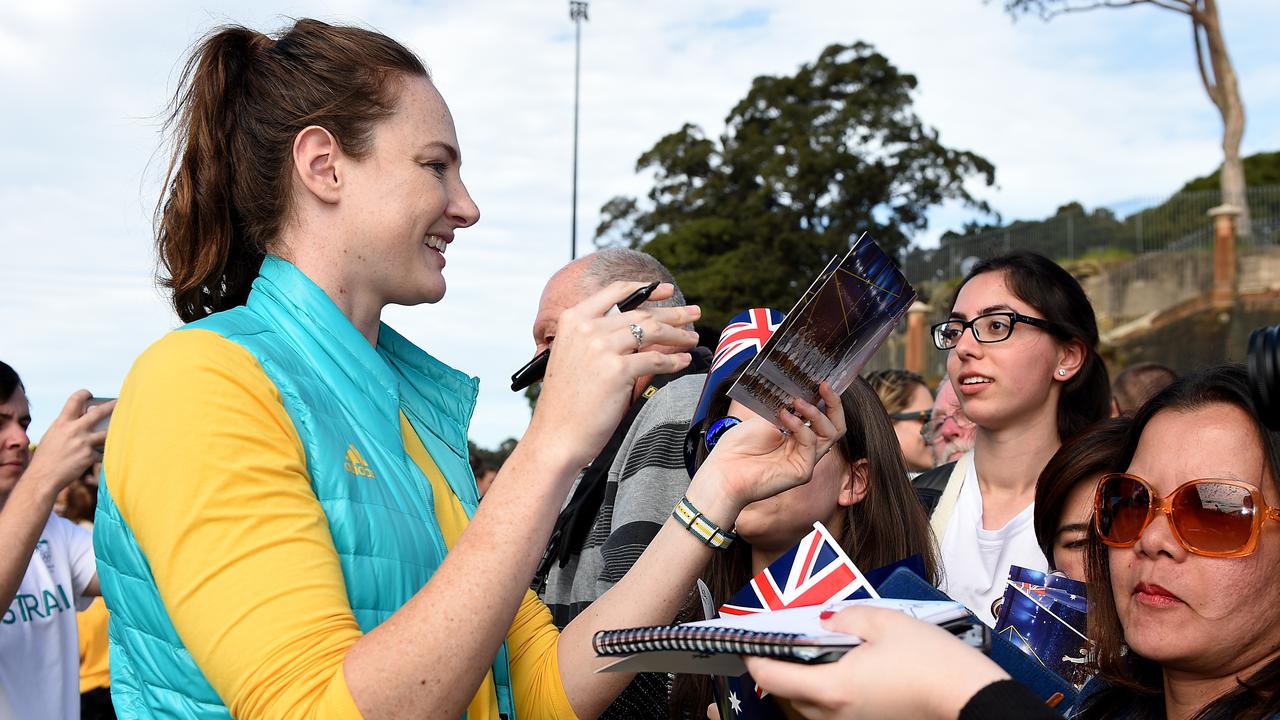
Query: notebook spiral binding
point(731, 641)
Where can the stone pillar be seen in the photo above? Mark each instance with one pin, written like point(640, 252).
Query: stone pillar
point(918, 341)
point(1225, 269)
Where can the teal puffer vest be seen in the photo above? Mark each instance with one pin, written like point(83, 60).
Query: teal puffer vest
point(344, 398)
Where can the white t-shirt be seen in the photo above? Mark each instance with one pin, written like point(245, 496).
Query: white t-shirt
point(39, 647)
point(976, 561)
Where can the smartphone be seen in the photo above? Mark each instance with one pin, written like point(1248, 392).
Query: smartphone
point(102, 424)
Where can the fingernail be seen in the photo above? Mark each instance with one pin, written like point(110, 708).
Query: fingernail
point(826, 614)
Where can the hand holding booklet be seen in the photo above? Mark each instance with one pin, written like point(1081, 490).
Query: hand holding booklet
point(714, 647)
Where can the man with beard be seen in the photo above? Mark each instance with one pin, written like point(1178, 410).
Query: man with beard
point(948, 433)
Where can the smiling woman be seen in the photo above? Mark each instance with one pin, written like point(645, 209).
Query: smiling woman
point(288, 525)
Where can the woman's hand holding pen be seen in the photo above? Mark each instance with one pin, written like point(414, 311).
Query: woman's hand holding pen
point(595, 362)
point(756, 460)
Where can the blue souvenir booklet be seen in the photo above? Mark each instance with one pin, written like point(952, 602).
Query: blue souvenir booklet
point(1044, 616)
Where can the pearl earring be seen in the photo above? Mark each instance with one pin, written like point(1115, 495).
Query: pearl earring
point(1062, 373)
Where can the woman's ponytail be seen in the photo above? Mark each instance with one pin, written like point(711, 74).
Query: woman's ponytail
point(243, 97)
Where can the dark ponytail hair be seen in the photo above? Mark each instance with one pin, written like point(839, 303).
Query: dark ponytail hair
point(1052, 291)
point(242, 99)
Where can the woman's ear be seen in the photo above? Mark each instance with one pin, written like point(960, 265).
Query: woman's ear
point(856, 480)
point(1071, 357)
point(315, 161)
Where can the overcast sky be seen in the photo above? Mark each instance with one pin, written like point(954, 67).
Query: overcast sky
point(1102, 108)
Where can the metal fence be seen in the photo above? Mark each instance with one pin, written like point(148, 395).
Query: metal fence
point(1177, 224)
point(1158, 256)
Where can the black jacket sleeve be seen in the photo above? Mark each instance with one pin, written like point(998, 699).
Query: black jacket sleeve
point(930, 484)
point(1007, 700)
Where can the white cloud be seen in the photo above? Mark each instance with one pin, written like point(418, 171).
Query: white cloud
point(1098, 107)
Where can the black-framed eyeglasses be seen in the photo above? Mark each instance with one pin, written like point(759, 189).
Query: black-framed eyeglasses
point(989, 328)
point(921, 415)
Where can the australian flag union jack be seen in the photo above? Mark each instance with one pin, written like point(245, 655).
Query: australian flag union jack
point(747, 332)
point(814, 572)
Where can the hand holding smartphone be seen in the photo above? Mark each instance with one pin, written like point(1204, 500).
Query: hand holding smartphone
point(101, 425)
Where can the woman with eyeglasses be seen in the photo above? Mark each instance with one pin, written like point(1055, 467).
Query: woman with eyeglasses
point(1022, 343)
point(859, 491)
point(907, 400)
point(1182, 563)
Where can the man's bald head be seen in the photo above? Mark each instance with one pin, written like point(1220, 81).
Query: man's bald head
point(576, 281)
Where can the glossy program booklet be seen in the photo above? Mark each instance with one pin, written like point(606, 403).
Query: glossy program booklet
point(1044, 616)
point(830, 334)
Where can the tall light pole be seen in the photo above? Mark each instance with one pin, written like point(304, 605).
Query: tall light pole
point(577, 13)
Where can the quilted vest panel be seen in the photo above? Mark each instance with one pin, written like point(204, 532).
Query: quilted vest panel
point(344, 398)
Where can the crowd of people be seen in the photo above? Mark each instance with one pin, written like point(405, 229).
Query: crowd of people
point(287, 523)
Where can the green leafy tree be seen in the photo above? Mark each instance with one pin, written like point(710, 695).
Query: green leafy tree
point(1217, 74)
point(806, 164)
point(492, 459)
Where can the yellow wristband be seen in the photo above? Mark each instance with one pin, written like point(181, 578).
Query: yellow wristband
point(702, 528)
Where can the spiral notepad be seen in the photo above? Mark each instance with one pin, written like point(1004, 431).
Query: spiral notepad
point(720, 640)
point(714, 646)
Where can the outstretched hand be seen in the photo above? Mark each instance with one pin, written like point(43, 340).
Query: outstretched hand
point(881, 678)
point(595, 362)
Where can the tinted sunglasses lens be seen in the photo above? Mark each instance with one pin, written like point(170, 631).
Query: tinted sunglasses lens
point(1122, 509)
point(719, 428)
point(1214, 517)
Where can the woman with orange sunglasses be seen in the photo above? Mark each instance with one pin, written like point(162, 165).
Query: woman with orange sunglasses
point(1184, 599)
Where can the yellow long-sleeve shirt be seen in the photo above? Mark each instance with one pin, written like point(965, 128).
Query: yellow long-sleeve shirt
point(210, 475)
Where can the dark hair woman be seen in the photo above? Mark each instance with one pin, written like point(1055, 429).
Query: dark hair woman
point(1022, 342)
point(1064, 493)
point(288, 525)
point(1182, 561)
point(859, 492)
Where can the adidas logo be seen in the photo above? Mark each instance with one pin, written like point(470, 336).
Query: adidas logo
point(355, 463)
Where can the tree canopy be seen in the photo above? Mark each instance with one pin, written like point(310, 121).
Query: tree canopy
point(805, 165)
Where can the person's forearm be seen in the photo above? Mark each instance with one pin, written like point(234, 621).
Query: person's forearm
point(433, 653)
point(21, 521)
point(651, 593)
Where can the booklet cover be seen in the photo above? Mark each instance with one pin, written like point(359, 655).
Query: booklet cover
point(1044, 616)
point(831, 333)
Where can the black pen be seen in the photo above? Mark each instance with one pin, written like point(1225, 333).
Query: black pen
point(533, 371)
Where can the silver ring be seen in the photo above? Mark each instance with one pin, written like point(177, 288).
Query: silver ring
point(637, 332)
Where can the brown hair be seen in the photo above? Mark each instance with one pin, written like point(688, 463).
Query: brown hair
point(1094, 451)
point(895, 387)
point(1133, 684)
point(1137, 383)
point(1057, 295)
point(242, 99)
point(888, 525)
